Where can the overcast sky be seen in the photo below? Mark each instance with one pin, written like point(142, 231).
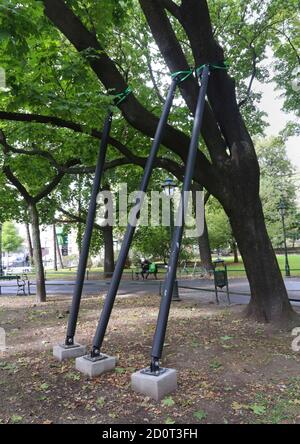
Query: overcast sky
point(271, 103)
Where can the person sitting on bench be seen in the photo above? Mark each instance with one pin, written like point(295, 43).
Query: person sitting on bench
point(153, 269)
point(148, 268)
point(145, 268)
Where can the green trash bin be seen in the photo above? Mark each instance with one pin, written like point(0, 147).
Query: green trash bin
point(220, 278)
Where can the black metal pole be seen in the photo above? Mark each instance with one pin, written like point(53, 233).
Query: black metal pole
point(175, 293)
point(115, 282)
point(72, 322)
point(162, 321)
point(287, 266)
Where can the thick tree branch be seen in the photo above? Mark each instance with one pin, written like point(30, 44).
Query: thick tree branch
point(221, 91)
point(172, 8)
point(62, 169)
point(55, 181)
point(32, 152)
point(17, 184)
point(172, 52)
point(167, 164)
point(78, 219)
point(139, 117)
point(60, 123)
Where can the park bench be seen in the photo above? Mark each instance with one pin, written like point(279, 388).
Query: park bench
point(153, 269)
point(21, 281)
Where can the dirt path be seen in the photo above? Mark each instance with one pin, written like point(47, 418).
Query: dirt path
point(230, 370)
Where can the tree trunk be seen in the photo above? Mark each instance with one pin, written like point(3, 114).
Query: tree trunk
point(59, 255)
point(261, 266)
point(37, 254)
point(204, 249)
point(109, 263)
point(54, 248)
point(29, 242)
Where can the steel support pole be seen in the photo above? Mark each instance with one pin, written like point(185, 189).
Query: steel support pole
point(115, 282)
point(72, 322)
point(175, 293)
point(159, 336)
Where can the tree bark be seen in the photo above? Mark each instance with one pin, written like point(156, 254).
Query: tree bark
point(29, 243)
point(54, 248)
point(59, 255)
point(204, 249)
point(109, 262)
point(37, 254)
point(261, 266)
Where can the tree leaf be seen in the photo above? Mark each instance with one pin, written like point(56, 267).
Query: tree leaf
point(200, 415)
point(168, 402)
point(258, 409)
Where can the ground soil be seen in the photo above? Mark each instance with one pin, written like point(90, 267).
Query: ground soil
point(230, 369)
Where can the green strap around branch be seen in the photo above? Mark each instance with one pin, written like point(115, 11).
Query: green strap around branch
point(183, 75)
point(119, 98)
point(221, 65)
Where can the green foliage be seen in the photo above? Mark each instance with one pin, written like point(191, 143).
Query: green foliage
point(277, 183)
point(251, 32)
point(11, 240)
point(200, 415)
point(219, 230)
point(12, 207)
point(153, 243)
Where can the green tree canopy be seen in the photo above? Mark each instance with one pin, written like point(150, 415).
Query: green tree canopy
point(11, 240)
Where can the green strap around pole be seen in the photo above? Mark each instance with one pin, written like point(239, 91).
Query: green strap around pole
point(222, 65)
point(119, 98)
point(183, 75)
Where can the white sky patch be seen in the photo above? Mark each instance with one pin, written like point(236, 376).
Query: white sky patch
point(272, 104)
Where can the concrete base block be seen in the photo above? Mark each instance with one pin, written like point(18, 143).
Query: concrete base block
point(94, 367)
point(62, 352)
point(156, 387)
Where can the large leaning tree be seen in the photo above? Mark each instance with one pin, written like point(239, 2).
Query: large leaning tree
point(231, 173)
point(226, 165)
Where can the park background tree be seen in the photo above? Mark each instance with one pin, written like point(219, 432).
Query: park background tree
point(21, 173)
point(276, 184)
point(11, 240)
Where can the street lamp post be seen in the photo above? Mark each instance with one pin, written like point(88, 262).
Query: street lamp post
point(282, 210)
point(168, 188)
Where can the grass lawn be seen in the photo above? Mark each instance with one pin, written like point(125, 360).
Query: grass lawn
point(230, 370)
point(234, 270)
point(238, 270)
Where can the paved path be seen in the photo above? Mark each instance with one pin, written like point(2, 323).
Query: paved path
point(239, 289)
